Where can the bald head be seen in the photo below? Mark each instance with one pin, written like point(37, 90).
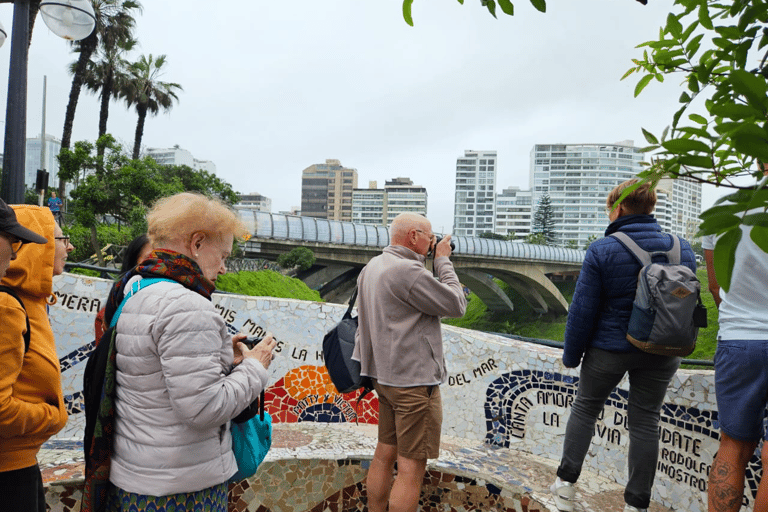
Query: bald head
point(404, 224)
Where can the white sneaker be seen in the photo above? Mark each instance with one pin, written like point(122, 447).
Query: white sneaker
point(564, 494)
point(630, 508)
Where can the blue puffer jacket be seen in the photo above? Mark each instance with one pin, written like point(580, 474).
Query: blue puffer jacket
point(599, 313)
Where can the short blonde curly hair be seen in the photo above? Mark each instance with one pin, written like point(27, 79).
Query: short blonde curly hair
point(176, 218)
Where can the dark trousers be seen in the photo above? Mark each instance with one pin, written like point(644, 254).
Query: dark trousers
point(21, 490)
point(601, 372)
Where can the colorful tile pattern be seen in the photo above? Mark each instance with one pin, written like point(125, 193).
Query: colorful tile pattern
point(502, 397)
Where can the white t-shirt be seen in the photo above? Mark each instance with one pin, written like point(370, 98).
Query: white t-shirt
point(744, 308)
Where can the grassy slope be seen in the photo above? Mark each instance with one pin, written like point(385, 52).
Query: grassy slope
point(524, 322)
point(266, 283)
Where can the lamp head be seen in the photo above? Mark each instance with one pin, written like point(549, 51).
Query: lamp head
point(71, 19)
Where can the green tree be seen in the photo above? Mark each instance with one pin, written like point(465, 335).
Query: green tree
point(114, 22)
point(544, 221)
point(298, 257)
point(589, 241)
point(112, 185)
point(572, 244)
point(506, 7)
point(719, 51)
point(147, 93)
point(492, 236)
point(107, 74)
point(535, 238)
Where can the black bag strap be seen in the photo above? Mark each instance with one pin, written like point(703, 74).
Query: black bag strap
point(12, 293)
point(351, 303)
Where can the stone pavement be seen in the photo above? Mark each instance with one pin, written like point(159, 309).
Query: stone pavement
point(523, 478)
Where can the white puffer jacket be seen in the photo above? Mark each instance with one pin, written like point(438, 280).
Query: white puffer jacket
point(176, 392)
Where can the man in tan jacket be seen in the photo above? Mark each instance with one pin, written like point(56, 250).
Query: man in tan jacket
point(399, 345)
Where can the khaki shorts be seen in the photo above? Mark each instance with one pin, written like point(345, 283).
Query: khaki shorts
point(411, 419)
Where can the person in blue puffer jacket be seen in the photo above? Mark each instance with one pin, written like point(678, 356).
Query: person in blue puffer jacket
point(595, 336)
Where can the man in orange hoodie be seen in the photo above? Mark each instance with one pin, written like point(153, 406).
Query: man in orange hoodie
point(31, 400)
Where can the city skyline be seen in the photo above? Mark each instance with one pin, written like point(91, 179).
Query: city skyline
point(273, 90)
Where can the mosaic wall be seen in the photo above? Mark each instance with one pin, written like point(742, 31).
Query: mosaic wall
point(505, 392)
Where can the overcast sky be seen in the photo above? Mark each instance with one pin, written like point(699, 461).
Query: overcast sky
point(273, 87)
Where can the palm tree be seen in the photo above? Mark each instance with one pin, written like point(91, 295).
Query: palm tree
point(107, 75)
point(114, 22)
point(147, 93)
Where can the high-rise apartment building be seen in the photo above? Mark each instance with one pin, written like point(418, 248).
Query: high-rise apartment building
point(513, 213)
point(52, 149)
point(380, 206)
point(475, 200)
point(254, 202)
point(326, 191)
point(179, 156)
point(578, 178)
point(683, 198)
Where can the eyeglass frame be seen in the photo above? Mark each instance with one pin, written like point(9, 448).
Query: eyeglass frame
point(430, 236)
point(65, 238)
point(15, 246)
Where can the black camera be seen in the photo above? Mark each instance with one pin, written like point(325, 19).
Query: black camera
point(438, 238)
point(252, 341)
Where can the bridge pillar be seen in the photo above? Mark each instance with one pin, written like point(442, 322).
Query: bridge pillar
point(483, 286)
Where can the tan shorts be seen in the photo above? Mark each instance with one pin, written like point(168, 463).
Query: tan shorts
point(411, 419)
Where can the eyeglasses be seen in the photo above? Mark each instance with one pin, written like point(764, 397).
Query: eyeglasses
point(430, 235)
point(15, 243)
point(65, 238)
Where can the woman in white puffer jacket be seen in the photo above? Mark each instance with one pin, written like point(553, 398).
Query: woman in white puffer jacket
point(180, 377)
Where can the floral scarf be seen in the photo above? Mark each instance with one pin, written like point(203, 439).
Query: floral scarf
point(161, 263)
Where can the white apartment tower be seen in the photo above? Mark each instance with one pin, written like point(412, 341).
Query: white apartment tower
point(513, 213)
point(254, 202)
point(381, 206)
point(683, 198)
point(180, 156)
point(475, 201)
point(578, 178)
point(51, 165)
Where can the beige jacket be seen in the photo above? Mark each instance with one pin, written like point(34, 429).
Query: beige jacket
point(398, 340)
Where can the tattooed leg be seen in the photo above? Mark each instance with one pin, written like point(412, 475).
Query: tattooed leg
point(761, 501)
point(726, 479)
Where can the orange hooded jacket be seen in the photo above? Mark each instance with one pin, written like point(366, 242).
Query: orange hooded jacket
point(31, 400)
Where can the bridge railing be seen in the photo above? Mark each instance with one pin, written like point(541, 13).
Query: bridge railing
point(311, 229)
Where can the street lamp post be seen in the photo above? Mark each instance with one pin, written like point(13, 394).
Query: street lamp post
point(71, 19)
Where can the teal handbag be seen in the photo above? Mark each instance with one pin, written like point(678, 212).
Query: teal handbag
point(251, 439)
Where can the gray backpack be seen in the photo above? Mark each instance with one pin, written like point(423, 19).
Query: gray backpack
point(667, 311)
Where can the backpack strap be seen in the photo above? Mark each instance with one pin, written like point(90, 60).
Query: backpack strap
point(12, 293)
point(135, 287)
point(645, 257)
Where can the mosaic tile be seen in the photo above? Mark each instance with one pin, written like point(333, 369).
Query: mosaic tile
point(506, 403)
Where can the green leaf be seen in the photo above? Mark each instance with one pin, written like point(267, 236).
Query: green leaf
point(704, 18)
point(693, 45)
point(540, 5)
point(725, 256)
point(673, 26)
point(629, 72)
point(756, 219)
point(642, 83)
point(723, 209)
point(693, 84)
point(748, 85)
point(407, 11)
point(680, 146)
point(735, 111)
point(751, 140)
point(491, 5)
point(704, 162)
point(696, 118)
point(684, 98)
point(649, 136)
point(759, 235)
point(507, 7)
point(687, 33)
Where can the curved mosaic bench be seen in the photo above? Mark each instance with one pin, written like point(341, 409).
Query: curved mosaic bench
point(502, 395)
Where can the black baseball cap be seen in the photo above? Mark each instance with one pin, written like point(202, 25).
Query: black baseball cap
point(9, 224)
